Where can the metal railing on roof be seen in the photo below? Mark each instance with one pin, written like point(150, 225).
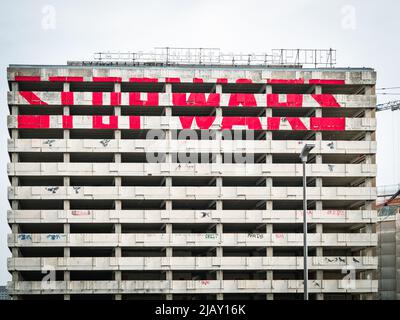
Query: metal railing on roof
point(214, 57)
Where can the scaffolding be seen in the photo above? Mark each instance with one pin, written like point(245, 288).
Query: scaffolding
point(169, 56)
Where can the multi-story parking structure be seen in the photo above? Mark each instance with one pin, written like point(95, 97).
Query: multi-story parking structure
point(184, 182)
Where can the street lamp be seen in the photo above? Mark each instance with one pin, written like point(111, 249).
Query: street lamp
point(304, 157)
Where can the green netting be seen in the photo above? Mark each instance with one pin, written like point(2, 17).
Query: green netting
point(388, 211)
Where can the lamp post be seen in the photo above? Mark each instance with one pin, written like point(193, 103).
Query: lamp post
point(304, 157)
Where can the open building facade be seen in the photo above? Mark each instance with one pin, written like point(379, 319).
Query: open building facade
point(185, 182)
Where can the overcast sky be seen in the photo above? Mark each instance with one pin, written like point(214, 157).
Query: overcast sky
point(365, 33)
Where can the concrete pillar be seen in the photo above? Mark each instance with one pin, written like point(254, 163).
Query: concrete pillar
point(66, 181)
point(117, 112)
point(14, 86)
point(219, 250)
point(168, 230)
point(66, 134)
point(14, 135)
point(66, 111)
point(15, 230)
point(268, 113)
point(14, 132)
point(169, 278)
point(117, 250)
point(66, 158)
point(67, 276)
point(118, 227)
point(218, 88)
point(14, 157)
point(319, 253)
point(67, 250)
point(219, 204)
point(369, 90)
point(269, 226)
point(15, 205)
point(117, 133)
point(218, 137)
point(168, 113)
point(66, 228)
point(14, 110)
point(66, 86)
point(269, 250)
point(318, 114)
point(14, 181)
point(269, 160)
point(318, 203)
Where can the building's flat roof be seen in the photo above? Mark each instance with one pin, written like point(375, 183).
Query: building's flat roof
point(119, 66)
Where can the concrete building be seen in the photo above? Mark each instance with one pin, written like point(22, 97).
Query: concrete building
point(388, 252)
point(388, 249)
point(102, 209)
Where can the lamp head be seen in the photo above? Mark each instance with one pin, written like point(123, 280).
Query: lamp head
point(305, 151)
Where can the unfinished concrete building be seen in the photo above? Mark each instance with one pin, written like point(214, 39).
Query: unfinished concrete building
point(388, 249)
point(388, 252)
point(135, 181)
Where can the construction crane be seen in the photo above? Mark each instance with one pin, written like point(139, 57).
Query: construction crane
point(392, 105)
point(392, 198)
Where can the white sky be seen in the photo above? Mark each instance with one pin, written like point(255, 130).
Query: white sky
point(365, 33)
